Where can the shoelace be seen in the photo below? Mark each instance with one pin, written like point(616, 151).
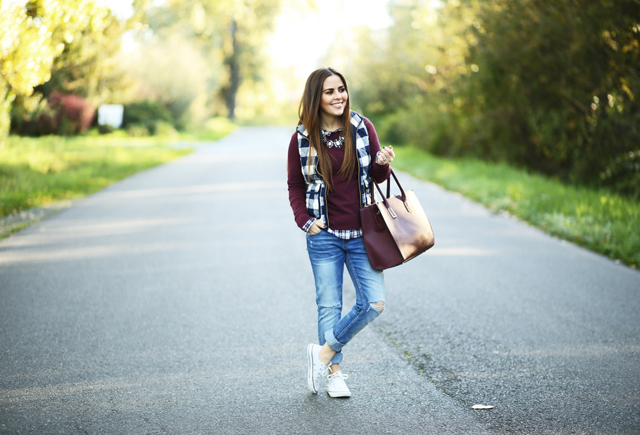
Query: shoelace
point(338, 375)
point(325, 369)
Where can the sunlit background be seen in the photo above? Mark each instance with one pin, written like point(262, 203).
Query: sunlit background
point(305, 31)
point(546, 88)
point(306, 35)
point(549, 86)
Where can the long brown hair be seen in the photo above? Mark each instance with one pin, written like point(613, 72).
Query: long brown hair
point(309, 116)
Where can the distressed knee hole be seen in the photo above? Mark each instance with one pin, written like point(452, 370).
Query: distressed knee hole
point(378, 306)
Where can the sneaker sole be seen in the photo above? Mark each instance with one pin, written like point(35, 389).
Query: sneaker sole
point(339, 394)
point(312, 387)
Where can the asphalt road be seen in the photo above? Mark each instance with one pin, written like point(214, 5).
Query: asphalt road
point(181, 301)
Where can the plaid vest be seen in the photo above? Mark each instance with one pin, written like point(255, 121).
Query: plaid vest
point(316, 194)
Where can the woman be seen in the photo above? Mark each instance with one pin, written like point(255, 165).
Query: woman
point(332, 158)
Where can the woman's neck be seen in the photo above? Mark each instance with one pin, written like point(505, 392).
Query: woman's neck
point(330, 123)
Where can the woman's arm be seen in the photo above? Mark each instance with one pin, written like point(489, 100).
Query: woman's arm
point(379, 172)
point(297, 187)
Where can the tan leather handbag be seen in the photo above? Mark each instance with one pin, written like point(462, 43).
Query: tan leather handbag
point(396, 229)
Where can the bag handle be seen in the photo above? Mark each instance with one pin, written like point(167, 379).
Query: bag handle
point(403, 196)
point(393, 174)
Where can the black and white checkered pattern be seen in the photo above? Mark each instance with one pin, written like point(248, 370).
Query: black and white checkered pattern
point(316, 188)
point(346, 234)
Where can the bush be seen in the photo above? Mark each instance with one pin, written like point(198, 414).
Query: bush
point(550, 86)
point(106, 128)
point(164, 129)
point(146, 114)
point(623, 174)
point(63, 114)
point(75, 115)
point(137, 130)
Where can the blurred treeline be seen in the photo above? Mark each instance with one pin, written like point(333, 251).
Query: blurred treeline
point(173, 64)
point(552, 86)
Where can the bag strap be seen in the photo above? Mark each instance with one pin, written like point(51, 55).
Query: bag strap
point(389, 187)
point(402, 194)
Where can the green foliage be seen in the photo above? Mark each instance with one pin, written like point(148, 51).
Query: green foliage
point(54, 45)
point(552, 86)
point(211, 130)
point(63, 114)
point(562, 80)
point(26, 54)
point(172, 69)
point(145, 115)
point(597, 219)
point(35, 172)
point(194, 61)
point(230, 36)
point(86, 67)
point(623, 174)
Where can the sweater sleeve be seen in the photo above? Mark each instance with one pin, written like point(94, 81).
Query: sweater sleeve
point(379, 173)
point(297, 186)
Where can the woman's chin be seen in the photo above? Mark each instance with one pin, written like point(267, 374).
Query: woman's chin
point(333, 111)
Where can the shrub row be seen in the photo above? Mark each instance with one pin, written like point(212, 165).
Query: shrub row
point(549, 86)
point(70, 115)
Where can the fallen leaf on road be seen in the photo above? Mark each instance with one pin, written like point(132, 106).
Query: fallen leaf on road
point(482, 407)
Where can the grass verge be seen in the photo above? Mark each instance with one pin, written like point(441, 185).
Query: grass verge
point(596, 219)
point(40, 171)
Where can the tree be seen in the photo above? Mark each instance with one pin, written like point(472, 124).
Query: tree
point(551, 86)
point(29, 46)
point(230, 32)
point(87, 63)
point(70, 40)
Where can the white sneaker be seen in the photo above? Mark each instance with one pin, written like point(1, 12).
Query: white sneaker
point(337, 386)
point(315, 368)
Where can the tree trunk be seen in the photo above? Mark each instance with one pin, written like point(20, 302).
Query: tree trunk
point(234, 72)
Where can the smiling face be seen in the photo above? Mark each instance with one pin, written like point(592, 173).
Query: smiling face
point(334, 99)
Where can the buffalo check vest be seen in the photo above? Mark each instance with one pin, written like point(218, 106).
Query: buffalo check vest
point(316, 194)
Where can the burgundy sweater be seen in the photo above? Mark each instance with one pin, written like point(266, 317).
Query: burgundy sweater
point(343, 204)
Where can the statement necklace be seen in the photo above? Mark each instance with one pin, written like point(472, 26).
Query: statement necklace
point(332, 143)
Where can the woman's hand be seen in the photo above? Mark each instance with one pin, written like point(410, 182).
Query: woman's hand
point(316, 227)
point(386, 156)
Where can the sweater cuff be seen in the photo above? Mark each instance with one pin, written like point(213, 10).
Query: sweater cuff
point(307, 225)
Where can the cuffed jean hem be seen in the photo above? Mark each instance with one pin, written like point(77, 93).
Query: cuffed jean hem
point(337, 359)
point(356, 324)
point(333, 342)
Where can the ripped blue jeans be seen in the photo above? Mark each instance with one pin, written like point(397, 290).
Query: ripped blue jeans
point(329, 255)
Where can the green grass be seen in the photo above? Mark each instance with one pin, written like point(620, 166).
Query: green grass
point(40, 171)
point(596, 219)
point(213, 129)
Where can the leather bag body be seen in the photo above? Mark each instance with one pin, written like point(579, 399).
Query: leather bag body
point(396, 229)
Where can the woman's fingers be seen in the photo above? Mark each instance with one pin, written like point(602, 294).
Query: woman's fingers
point(315, 228)
point(390, 156)
point(386, 155)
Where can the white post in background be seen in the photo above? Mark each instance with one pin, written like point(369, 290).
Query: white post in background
point(110, 114)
